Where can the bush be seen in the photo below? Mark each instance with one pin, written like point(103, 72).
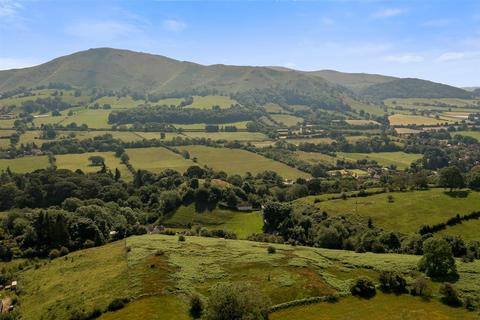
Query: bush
point(54, 254)
point(181, 238)
point(437, 260)
point(363, 287)
point(196, 307)
point(450, 295)
point(89, 244)
point(420, 287)
point(271, 249)
point(117, 304)
point(236, 301)
point(392, 282)
point(64, 251)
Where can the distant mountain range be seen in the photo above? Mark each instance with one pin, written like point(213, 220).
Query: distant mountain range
point(114, 69)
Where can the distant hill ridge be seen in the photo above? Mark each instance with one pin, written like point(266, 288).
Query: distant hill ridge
point(114, 69)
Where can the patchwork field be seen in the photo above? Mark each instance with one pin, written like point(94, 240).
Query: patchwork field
point(286, 119)
point(314, 157)
point(362, 122)
point(241, 223)
point(157, 159)
point(239, 125)
point(236, 161)
point(473, 134)
point(80, 161)
point(231, 136)
point(25, 164)
point(207, 102)
point(408, 211)
point(399, 159)
point(405, 120)
point(159, 272)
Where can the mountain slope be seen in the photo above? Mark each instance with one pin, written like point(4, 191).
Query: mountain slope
point(413, 88)
point(353, 81)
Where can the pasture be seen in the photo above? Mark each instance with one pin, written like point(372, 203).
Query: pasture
point(24, 164)
point(408, 211)
point(162, 282)
point(119, 102)
point(273, 108)
point(286, 119)
point(236, 161)
point(405, 120)
point(157, 160)
point(242, 224)
point(196, 126)
point(80, 161)
point(362, 122)
point(314, 157)
point(399, 159)
point(473, 134)
point(207, 102)
point(230, 136)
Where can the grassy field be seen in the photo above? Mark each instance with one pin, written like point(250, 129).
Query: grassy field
point(400, 159)
point(236, 161)
point(408, 211)
point(273, 108)
point(468, 229)
point(286, 119)
point(240, 136)
point(418, 103)
point(314, 157)
point(96, 119)
point(361, 122)
point(239, 125)
point(25, 164)
point(157, 159)
point(243, 224)
point(80, 161)
point(382, 306)
point(473, 134)
point(407, 131)
point(207, 102)
point(404, 120)
point(119, 103)
point(160, 283)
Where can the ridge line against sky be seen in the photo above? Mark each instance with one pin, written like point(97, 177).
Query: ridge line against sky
point(428, 39)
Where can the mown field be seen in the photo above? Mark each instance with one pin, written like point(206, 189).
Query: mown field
point(286, 119)
point(236, 161)
point(399, 159)
point(408, 211)
point(157, 159)
point(207, 102)
point(230, 136)
point(80, 161)
point(405, 120)
point(25, 164)
point(161, 272)
point(242, 224)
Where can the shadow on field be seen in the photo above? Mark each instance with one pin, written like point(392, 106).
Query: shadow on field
point(458, 194)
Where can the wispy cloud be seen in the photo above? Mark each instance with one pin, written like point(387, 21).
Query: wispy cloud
point(405, 58)
point(450, 56)
point(9, 9)
point(388, 13)
point(16, 63)
point(327, 21)
point(438, 23)
point(174, 25)
point(104, 30)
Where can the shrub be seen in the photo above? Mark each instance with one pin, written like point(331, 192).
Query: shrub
point(89, 244)
point(117, 304)
point(181, 238)
point(64, 251)
point(450, 295)
point(392, 282)
point(363, 287)
point(236, 301)
point(196, 307)
point(54, 254)
point(420, 287)
point(271, 249)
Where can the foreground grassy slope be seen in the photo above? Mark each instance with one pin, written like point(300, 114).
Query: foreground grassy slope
point(159, 272)
point(408, 211)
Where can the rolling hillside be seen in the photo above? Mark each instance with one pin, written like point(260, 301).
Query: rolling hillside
point(353, 81)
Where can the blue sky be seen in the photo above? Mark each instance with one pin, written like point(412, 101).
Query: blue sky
point(431, 39)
